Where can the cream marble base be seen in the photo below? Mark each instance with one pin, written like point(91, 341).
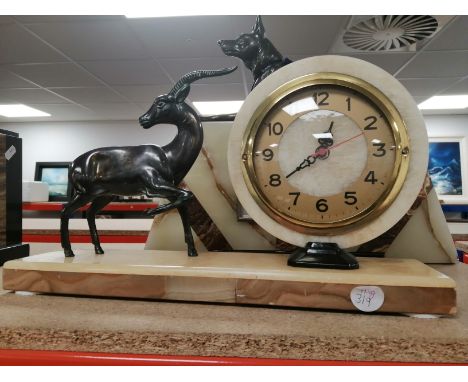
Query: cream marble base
point(232, 277)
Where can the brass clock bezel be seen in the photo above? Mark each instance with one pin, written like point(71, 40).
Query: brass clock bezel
point(400, 169)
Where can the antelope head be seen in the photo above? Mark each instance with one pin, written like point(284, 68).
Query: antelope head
point(167, 108)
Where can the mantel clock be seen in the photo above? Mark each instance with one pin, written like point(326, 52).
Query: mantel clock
point(328, 150)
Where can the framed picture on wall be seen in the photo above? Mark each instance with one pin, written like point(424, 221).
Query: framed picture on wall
point(55, 174)
point(447, 168)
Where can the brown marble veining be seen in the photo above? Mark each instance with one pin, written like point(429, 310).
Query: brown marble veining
point(283, 246)
point(220, 188)
point(205, 227)
point(383, 242)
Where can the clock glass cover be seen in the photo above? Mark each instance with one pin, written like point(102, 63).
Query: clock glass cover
point(324, 153)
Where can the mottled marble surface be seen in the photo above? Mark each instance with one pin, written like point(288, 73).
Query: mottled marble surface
point(231, 265)
point(132, 326)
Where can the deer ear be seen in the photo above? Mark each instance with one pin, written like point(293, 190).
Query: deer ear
point(258, 28)
point(182, 93)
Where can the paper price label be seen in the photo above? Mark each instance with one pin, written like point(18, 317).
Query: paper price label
point(367, 298)
point(10, 152)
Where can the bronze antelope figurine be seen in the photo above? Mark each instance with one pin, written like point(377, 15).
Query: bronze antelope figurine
point(101, 174)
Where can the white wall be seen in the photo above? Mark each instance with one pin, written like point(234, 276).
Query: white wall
point(447, 125)
point(64, 141)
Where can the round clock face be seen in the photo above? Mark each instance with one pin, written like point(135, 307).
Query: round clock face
point(326, 153)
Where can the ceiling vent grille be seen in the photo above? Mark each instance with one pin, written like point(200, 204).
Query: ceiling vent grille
point(389, 32)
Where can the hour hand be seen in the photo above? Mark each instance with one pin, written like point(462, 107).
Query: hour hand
point(293, 172)
point(321, 152)
point(305, 163)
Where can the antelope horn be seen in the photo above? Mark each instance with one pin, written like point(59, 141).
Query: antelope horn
point(199, 74)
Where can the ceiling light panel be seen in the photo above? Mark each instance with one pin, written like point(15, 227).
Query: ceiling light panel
point(218, 107)
point(20, 110)
point(445, 102)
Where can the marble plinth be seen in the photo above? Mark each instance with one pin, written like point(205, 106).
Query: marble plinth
point(408, 285)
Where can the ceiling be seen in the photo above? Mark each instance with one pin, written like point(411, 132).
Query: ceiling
point(80, 68)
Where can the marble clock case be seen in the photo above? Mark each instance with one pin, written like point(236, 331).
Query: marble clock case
point(421, 234)
point(413, 226)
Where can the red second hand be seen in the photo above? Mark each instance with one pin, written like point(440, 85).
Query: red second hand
point(323, 150)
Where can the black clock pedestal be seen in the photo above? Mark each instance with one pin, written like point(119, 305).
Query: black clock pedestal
point(322, 255)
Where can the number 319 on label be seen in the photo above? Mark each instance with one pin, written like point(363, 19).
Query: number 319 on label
point(367, 298)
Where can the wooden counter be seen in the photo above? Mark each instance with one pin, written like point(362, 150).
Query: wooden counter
point(147, 327)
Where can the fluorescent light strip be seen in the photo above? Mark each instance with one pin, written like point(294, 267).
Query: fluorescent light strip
point(218, 107)
point(20, 110)
point(445, 102)
point(138, 14)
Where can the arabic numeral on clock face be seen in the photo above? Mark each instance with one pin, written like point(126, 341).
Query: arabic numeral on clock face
point(371, 120)
point(370, 177)
point(350, 198)
point(348, 102)
point(320, 98)
point(321, 205)
point(275, 180)
point(380, 149)
point(296, 196)
point(275, 128)
point(267, 154)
